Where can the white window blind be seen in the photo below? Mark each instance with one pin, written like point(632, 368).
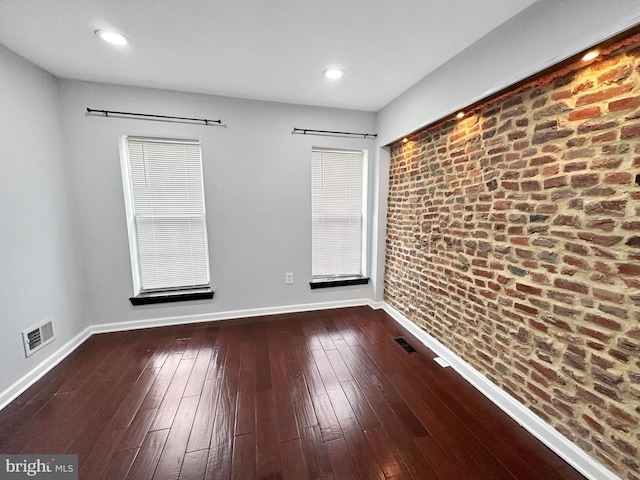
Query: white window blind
point(337, 186)
point(167, 215)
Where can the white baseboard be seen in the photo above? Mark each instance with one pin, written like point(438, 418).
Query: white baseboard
point(376, 305)
point(228, 315)
point(11, 393)
point(540, 429)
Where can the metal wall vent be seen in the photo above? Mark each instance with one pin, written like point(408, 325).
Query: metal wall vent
point(36, 337)
point(404, 345)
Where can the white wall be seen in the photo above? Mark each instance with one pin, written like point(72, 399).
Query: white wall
point(257, 194)
point(547, 32)
point(39, 274)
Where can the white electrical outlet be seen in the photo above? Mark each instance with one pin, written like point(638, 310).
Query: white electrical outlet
point(288, 278)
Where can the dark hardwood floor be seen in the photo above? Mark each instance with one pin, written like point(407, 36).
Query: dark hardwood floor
point(319, 395)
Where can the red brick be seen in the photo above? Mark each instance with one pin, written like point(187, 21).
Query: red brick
point(615, 74)
point(572, 286)
point(538, 161)
point(576, 262)
point(528, 289)
point(620, 178)
point(608, 296)
point(606, 163)
point(606, 206)
point(526, 309)
point(548, 135)
point(596, 126)
point(530, 186)
point(585, 180)
point(624, 104)
point(605, 224)
point(577, 248)
point(603, 95)
point(629, 269)
point(602, 322)
point(599, 239)
point(630, 131)
point(589, 112)
point(520, 240)
point(632, 225)
point(555, 182)
point(605, 137)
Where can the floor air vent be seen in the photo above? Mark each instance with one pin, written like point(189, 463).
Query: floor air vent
point(35, 338)
point(404, 345)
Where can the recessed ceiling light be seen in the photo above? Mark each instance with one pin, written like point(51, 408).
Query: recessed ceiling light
point(112, 37)
point(333, 73)
point(590, 55)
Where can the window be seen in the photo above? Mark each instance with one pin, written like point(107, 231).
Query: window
point(338, 186)
point(164, 199)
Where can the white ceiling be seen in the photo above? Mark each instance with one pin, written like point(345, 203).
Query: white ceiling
point(271, 50)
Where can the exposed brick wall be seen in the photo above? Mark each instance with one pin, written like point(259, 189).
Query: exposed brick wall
point(514, 238)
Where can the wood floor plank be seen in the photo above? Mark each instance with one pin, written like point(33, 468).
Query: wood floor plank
point(247, 355)
point(244, 457)
point(327, 421)
point(163, 380)
point(222, 434)
point(302, 349)
point(174, 449)
point(285, 414)
point(341, 461)
point(338, 365)
point(360, 405)
point(388, 457)
point(199, 372)
point(360, 449)
point(119, 465)
point(218, 357)
point(267, 450)
point(173, 396)
point(301, 400)
point(246, 408)
point(315, 453)
point(441, 461)
point(294, 466)
point(202, 430)
point(194, 465)
point(136, 432)
point(100, 452)
point(146, 461)
point(129, 407)
point(329, 377)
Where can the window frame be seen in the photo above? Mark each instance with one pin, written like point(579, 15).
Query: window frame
point(339, 280)
point(160, 295)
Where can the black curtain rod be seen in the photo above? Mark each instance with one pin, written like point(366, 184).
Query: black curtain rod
point(305, 131)
point(106, 113)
